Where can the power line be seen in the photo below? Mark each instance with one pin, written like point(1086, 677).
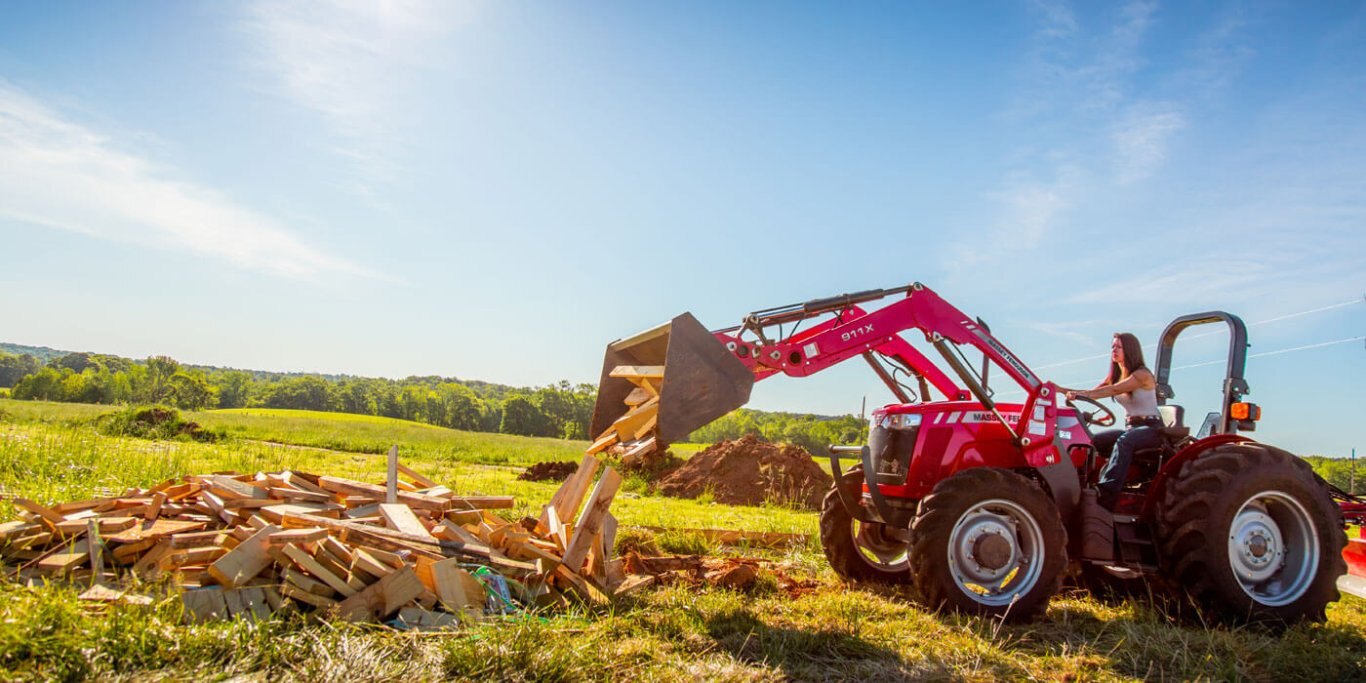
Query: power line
point(1277, 319)
point(1277, 352)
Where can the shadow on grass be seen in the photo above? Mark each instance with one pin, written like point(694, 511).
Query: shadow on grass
point(823, 654)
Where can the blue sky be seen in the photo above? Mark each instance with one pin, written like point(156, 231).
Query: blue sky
point(495, 190)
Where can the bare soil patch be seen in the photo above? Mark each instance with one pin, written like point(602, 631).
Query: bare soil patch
point(748, 471)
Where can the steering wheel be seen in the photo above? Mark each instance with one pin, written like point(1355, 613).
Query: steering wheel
point(1102, 416)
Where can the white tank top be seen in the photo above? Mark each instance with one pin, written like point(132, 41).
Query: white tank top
point(1139, 403)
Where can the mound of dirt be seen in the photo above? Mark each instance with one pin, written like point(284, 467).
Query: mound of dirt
point(748, 471)
point(549, 471)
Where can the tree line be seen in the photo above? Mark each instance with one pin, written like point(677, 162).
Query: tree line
point(561, 410)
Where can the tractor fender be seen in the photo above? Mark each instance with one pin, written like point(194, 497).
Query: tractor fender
point(1064, 485)
point(1172, 466)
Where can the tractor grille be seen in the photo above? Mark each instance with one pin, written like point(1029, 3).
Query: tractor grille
point(891, 451)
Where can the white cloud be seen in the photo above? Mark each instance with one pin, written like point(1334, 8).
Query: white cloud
point(62, 175)
point(1140, 140)
point(353, 62)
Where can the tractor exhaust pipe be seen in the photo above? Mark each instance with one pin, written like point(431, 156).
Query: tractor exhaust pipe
point(702, 379)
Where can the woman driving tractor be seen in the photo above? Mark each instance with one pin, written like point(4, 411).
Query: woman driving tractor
point(1134, 387)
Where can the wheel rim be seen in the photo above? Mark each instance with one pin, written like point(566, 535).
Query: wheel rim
point(996, 552)
point(1273, 548)
point(879, 548)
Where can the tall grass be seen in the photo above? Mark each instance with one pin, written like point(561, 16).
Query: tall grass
point(837, 632)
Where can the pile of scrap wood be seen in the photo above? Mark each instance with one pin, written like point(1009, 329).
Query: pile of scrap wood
point(253, 544)
point(632, 437)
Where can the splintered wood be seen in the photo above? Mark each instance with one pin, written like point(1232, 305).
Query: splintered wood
point(632, 437)
point(410, 552)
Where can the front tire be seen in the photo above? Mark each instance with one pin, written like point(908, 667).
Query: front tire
point(1250, 533)
point(991, 542)
point(861, 551)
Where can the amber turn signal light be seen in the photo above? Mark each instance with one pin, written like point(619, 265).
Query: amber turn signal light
point(1245, 411)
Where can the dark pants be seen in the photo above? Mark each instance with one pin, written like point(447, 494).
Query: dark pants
point(1119, 446)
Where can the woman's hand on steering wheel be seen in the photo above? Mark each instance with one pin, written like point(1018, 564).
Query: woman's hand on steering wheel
point(1102, 416)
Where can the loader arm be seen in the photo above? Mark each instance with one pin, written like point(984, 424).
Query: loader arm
point(705, 378)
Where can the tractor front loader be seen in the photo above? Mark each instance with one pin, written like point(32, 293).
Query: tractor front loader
point(984, 505)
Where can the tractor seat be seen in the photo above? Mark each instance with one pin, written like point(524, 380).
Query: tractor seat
point(1173, 428)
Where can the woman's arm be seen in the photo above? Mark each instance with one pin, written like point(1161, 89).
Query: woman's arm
point(1142, 379)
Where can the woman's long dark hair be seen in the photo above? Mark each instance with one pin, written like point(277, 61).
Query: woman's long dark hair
point(1133, 357)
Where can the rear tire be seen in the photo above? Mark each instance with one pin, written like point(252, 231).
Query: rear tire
point(1250, 533)
point(991, 542)
point(860, 551)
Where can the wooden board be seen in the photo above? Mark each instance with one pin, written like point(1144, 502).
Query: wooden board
point(382, 598)
point(312, 566)
point(400, 517)
point(590, 523)
point(638, 371)
point(453, 586)
point(628, 425)
point(356, 488)
point(66, 559)
point(570, 494)
point(40, 510)
point(204, 604)
point(154, 529)
point(244, 562)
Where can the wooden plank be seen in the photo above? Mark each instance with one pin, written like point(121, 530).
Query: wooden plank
point(421, 480)
point(365, 561)
point(16, 529)
point(323, 603)
point(92, 537)
point(400, 517)
point(108, 525)
point(154, 529)
point(245, 561)
point(382, 598)
point(391, 483)
point(298, 536)
point(637, 396)
point(338, 567)
point(638, 371)
point(312, 566)
point(628, 425)
point(276, 513)
point(66, 559)
point(569, 496)
point(451, 582)
point(301, 496)
point(351, 487)
point(154, 507)
point(305, 582)
point(198, 539)
point(204, 604)
point(129, 552)
point(379, 537)
point(482, 502)
point(639, 450)
point(228, 487)
point(607, 438)
point(254, 598)
point(590, 522)
point(40, 510)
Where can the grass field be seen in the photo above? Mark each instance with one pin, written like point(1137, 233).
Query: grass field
point(52, 452)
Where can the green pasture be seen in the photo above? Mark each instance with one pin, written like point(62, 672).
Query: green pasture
point(53, 452)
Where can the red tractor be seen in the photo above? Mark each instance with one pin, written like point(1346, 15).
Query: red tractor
point(986, 505)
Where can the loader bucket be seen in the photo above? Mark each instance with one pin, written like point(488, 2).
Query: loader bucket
point(702, 380)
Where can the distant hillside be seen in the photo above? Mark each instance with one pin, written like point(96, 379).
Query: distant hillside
point(42, 353)
point(46, 355)
point(555, 410)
